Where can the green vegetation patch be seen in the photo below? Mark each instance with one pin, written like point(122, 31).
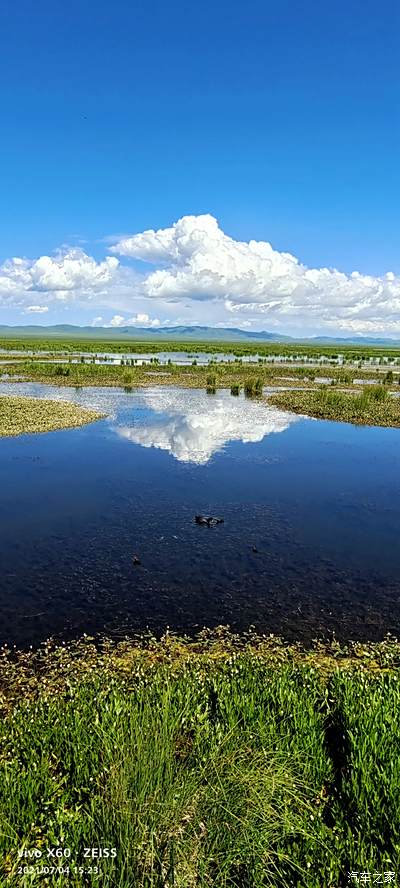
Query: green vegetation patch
point(20, 416)
point(253, 376)
point(218, 761)
point(68, 345)
point(374, 406)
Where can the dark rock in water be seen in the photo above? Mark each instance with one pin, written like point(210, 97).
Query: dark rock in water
point(208, 520)
point(136, 559)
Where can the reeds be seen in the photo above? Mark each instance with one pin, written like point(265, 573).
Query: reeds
point(253, 388)
point(211, 384)
point(373, 406)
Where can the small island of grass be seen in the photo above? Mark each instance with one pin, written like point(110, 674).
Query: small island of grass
point(374, 406)
point(19, 416)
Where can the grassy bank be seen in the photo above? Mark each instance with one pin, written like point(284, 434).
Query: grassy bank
point(20, 416)
point(217, 762)
point(373, 406)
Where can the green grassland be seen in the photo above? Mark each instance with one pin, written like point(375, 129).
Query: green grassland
point(373, 406)
point(306, 350)
point(28, 415)
point(219, 762)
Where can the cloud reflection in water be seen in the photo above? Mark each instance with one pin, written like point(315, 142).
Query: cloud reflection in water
point(192, 426)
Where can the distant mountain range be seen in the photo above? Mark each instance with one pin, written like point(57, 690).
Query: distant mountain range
point(183, 334)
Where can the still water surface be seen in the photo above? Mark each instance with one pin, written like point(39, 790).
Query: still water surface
point(319, 501)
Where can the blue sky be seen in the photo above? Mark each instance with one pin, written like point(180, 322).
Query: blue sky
point(281, 120)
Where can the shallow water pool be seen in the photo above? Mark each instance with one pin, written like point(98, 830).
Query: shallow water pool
point(309, 543)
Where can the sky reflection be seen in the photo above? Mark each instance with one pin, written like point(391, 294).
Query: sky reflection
point(192, 425)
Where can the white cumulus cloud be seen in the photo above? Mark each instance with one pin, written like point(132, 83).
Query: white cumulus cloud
point(201, 275)
point(143, 319)
point(199, 262)
point(116, 321)
point(140, 319)
point(72, 270)
point(67, 277)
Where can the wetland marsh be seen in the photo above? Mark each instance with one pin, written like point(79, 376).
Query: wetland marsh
point(308, 546)
point(204, 757)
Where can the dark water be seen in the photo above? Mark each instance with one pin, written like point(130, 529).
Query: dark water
point(319, 501)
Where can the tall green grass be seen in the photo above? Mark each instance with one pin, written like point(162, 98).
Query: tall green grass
point(253, 387)
point(239, 773)
point(367, 712)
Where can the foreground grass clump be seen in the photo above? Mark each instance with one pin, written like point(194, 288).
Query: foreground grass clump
point(253, 387)
point(374, 406)
point(221, 761)
point(211, 382)
point(27, 415)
